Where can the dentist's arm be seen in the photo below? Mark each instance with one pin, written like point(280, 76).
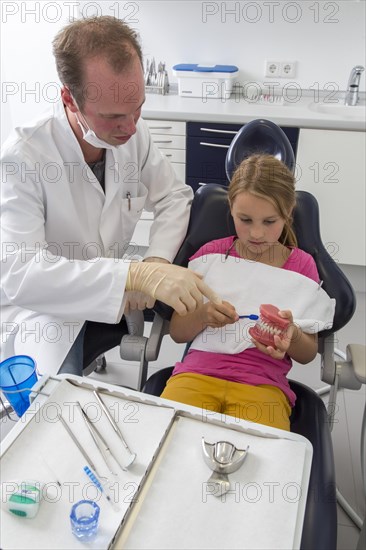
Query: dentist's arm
point(180, 288)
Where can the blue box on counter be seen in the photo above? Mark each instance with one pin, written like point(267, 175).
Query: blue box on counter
point(207, 81)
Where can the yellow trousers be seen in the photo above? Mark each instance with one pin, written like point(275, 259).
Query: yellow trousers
point(263, 404)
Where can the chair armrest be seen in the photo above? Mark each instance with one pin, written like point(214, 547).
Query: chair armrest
point(160, 328)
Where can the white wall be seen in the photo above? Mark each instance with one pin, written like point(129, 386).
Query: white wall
point(326, 39)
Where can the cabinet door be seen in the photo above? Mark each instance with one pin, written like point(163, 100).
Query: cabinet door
point(331, 166)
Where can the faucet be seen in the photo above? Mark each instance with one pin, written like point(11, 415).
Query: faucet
point(353, 85)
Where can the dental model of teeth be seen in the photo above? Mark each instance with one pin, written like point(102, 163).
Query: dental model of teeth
point(268, 325)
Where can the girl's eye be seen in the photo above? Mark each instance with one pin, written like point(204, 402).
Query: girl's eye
point(269, 222)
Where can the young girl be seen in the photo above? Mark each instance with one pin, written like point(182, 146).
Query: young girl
point(225, 369)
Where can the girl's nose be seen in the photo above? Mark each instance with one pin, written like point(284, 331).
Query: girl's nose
point(256, 233)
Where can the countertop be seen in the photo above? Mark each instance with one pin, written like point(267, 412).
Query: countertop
point(302, 112)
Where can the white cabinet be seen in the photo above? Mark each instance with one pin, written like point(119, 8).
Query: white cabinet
point(331, 166)
point(170, 138)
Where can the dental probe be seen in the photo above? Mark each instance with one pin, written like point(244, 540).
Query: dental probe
point(115, 427)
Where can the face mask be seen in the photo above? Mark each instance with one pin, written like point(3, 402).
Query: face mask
point(91, 137)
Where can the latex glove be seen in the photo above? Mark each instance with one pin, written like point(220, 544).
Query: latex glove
point(138, 300)
point(180, 288)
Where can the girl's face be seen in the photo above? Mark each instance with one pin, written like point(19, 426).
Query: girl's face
point(257, 222)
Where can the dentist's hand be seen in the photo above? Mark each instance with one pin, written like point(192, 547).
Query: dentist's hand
point(180, 288)
point(140, 300)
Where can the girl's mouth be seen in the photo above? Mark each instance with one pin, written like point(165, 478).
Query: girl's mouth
point(268, 325)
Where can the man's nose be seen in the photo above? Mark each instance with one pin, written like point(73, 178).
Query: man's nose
point(128, 126)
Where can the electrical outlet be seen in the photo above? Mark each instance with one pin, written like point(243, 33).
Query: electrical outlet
point(288, 69)
point(272, 68)
point(280, 69)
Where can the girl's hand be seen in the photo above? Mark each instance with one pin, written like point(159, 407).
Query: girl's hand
point(218, 315)
point(281, 343)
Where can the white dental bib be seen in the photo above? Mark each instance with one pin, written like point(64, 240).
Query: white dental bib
point(247, 285)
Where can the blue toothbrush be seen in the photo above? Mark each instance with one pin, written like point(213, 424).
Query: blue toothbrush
point(93, 478)
point(252, 317)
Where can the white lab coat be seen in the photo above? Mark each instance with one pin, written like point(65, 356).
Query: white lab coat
point(63, 239)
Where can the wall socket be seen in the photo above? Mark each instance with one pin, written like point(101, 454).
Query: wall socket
point(280, 69)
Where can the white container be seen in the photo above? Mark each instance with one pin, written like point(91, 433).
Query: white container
point(204, 81)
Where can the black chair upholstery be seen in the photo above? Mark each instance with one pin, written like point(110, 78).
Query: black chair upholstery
point(259, 136)
point(309, 416)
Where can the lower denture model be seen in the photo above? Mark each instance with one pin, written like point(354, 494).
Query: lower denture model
point(269, 324)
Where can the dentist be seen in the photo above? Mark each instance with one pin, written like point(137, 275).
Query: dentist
point(74, 185)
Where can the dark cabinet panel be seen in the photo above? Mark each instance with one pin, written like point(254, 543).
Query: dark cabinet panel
point(207, 146)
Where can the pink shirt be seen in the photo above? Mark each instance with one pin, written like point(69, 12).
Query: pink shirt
point(250, 366)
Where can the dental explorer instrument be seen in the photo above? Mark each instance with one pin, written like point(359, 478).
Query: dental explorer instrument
point(81, 449)
point(95, 433)
point(115, 427)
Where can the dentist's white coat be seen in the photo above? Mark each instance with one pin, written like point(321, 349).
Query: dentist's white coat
point(63, 238)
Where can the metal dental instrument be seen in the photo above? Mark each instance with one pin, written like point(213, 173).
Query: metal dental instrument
point(115, 427)
point(81, 449)
point(98, 438)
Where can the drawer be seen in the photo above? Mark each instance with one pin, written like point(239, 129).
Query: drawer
point(206, 158)
point(173, 127)
point(180, 170)
point(174, 155)
point(209, 129)
point(165, 141)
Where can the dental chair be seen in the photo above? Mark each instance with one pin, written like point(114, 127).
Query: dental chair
point(309, 417)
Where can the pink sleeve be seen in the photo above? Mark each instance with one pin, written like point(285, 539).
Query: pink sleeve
point(310, 270)
point(219, 246)
point(303, 263)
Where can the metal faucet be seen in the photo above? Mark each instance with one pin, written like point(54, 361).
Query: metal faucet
point(353, 85)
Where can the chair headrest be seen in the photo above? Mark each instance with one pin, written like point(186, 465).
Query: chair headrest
point(259, 136)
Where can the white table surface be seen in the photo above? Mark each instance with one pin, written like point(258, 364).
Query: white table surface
point(169, 467)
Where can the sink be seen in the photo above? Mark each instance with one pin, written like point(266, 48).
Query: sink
point(356, 112)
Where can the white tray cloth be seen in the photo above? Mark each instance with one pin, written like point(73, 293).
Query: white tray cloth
point(164, 501)
point(178, 511)
point(143, 427)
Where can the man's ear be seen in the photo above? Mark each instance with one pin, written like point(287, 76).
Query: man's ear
point(68, 99)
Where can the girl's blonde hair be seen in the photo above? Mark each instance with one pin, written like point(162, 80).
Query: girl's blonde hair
point(266, 177)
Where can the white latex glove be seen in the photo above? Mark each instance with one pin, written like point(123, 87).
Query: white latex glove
point(138, 300)
point(180, 288)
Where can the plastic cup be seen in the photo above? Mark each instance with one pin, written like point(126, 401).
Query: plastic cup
point(17, 376)
point(84, 518)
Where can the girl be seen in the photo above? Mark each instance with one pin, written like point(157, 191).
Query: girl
point(225, 369)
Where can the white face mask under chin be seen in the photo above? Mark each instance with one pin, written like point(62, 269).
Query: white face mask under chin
point(91, 137)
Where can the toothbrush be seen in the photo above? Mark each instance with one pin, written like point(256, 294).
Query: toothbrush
point(252, 317)
point(93, 478)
